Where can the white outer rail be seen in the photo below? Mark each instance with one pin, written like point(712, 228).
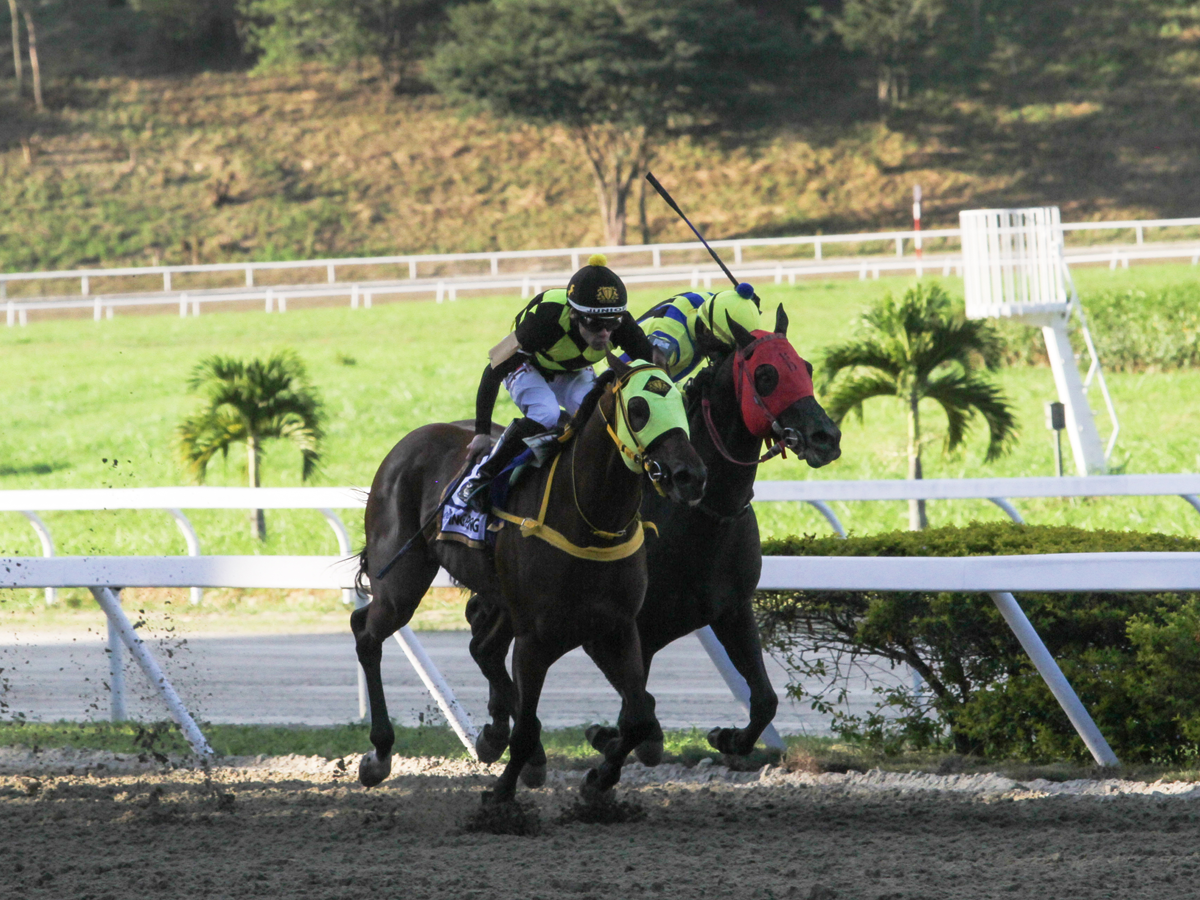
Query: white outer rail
point(996, 490)
point(998, 576)
point(276, 296)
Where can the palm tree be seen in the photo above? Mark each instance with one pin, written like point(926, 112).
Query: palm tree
point(251, 402)
point(920, 348)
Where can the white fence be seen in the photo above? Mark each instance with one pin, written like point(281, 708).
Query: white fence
point(639, 264)
point(997, 576)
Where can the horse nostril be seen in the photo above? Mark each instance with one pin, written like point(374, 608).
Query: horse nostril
point(683, 476)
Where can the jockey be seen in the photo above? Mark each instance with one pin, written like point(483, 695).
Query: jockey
point(546, 362)
point(671, 325)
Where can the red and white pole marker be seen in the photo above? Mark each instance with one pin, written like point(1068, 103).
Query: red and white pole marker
point(917, 217)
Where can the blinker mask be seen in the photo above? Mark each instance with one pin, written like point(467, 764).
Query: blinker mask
point(646, 384)
point(760, 412)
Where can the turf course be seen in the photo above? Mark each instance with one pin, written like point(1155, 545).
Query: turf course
point(95, 404)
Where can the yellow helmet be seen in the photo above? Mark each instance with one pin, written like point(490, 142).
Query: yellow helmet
point(742, 310)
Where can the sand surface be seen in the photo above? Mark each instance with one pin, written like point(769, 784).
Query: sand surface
point(97, 825)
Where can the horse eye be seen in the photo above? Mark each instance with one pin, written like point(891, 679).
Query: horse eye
point(766, 379)
point(639, 413)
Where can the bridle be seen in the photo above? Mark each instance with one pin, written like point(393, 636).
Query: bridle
point(743, 379)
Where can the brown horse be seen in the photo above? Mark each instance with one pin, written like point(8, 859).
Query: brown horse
point(705, 563)
point(572, 574)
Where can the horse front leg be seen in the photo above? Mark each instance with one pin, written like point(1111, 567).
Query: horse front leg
point(619, 657)
point(394, 603)
point(738, 634)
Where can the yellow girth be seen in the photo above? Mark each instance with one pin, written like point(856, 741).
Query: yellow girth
point(539, 529)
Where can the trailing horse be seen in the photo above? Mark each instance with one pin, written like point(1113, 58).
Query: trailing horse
point(568, 568)
point(706, 561)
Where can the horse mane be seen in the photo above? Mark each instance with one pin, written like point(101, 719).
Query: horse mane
point(588, 405)
point(699, 383)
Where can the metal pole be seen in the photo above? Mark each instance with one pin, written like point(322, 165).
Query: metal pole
point(118, 620)
point(1054, 678)
point(116, 670)
point(437, 686)
point(734, 680)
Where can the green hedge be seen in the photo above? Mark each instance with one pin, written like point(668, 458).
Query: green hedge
point(1134, 659)
point(1133, 330)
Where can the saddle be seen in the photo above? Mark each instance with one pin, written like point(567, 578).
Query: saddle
point(477, 529)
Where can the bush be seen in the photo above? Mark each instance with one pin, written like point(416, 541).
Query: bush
point(1134, 659)
point(1133, 330)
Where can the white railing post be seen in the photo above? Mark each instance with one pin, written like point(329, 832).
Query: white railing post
point(495, 260)
point(195, 306)
point(11, 313)
point(737, 253)
point(166, 281)
point(117, 619)
point(43, 534)
point(656, 256)
point(85, 288)
point(116, 669)
point(817, 249)
point(412, 268)
point(332, 275)
point(270, 299)
point(1054, 678)
point(458, 718)
point(97, 310)
point(249, 276)
point(354, 297)
point(195, 594)
point(441, 291)
point(899, 246)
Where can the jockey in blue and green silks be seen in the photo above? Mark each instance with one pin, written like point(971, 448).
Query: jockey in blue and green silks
point(671, 325)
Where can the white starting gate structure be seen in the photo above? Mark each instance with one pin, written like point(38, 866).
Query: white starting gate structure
point(1014, 267)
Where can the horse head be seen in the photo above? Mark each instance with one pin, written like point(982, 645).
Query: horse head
point(648, 421)
point(775, 397)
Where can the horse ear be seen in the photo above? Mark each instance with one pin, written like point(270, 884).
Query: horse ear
point(781, 321)
point(615, 364)
point(741, 335)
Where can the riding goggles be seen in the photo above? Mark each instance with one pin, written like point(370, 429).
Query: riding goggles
point(599, 323)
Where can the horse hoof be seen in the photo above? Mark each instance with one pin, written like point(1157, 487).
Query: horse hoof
point(599, 736)
point(590, 789)
point(649, 753)
point(722, 739)
point(533, 775)
point(372, 770)
point(487, 750)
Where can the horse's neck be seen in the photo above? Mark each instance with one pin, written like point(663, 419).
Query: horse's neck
point(604, 487)
point(730, 486)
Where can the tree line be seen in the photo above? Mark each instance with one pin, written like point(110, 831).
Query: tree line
point(624, 76)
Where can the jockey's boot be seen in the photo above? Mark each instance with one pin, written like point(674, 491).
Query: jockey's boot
point(508, 448)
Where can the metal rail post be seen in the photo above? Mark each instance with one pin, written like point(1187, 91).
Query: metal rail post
point(118, 621)
point(1054, 678)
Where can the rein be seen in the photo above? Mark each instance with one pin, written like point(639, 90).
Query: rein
point(539, 529)
point(776, 449)
point(637, 457)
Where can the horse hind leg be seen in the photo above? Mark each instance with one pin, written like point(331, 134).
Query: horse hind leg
point(738, 634)
point(531, 660)
point(395, 599)
point(618, 655)
point(491, 635)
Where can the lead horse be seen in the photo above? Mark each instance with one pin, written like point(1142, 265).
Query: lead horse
point(568, 569)
point(705, 563)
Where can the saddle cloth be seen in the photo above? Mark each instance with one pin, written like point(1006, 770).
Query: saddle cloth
point(478, 529)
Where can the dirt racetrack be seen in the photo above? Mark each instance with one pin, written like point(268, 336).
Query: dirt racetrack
point(96, 826)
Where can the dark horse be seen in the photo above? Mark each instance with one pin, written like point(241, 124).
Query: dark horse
point(555, 599)
point(705, 564)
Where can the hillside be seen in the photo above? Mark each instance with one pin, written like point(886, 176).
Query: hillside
point(222, 166)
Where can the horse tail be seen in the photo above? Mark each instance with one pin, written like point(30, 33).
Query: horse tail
point(360, 576)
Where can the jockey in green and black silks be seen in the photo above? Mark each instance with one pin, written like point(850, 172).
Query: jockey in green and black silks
point(546, 362)
point(671, 325)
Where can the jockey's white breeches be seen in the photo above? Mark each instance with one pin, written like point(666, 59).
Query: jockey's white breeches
point(540, 399)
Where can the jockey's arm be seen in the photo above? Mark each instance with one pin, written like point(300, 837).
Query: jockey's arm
point(485, 402)
point(630, 338)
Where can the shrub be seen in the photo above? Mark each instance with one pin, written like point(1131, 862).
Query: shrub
point(1133, 330)
point(1134, 659)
